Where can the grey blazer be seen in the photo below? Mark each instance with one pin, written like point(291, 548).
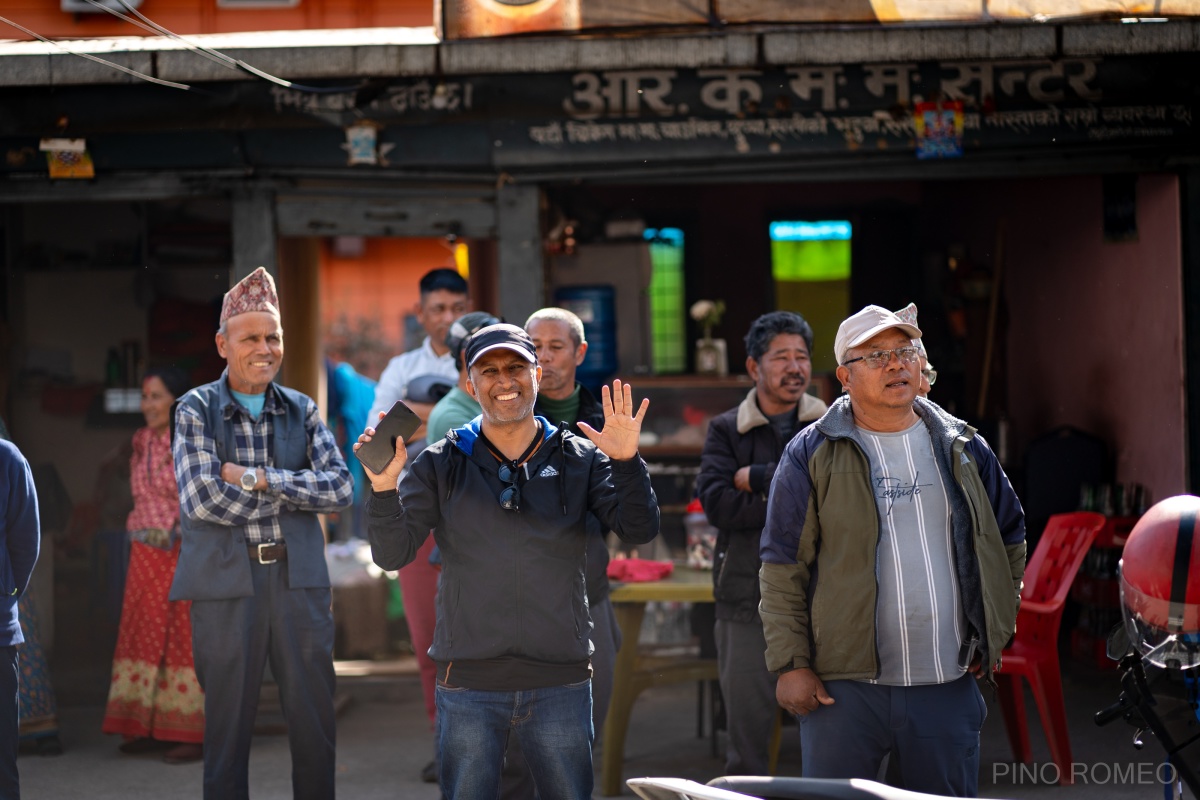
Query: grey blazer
point(213, 560)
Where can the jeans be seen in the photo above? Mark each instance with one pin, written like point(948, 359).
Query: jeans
point(553, 725)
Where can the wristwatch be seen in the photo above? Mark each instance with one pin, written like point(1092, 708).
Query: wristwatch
point(249, 479)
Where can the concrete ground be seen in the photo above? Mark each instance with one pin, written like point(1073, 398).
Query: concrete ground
point(383, 741)
point(384, 737)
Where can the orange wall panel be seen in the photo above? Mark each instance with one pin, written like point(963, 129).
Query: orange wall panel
point(203, 16)
point(372, 294)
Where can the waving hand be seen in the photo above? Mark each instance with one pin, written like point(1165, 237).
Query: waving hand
point(622, 427)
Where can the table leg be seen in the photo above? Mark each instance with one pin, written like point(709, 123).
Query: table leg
point(629, 618)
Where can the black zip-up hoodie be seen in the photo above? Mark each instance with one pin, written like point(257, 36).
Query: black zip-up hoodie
point(591, 412)
point(512, 581)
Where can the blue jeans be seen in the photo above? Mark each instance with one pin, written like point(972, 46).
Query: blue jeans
point(553, 725)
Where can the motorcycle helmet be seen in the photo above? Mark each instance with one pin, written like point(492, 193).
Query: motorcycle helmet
point(1160, 584)
point(463, 327)
point(427, 388)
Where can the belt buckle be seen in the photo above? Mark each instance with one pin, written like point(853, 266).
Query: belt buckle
point(260, 552)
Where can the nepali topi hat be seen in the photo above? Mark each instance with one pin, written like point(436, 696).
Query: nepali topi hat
point(255, 292)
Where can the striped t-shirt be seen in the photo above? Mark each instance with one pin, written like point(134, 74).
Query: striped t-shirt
point(919, 616)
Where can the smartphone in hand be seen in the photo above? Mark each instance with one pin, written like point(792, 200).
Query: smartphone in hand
point(400, 422)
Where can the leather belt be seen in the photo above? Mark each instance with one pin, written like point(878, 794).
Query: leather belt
point(268, 552)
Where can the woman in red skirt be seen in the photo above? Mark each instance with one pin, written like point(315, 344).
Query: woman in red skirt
point(155, 701)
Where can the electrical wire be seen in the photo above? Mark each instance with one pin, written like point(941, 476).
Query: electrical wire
point(97, 59)
point(215, 55)
point(153, 27)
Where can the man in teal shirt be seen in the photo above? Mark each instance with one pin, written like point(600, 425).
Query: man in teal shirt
point(561, 346)
point(458, 408)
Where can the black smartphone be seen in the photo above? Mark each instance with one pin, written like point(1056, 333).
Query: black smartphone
point(400, 422)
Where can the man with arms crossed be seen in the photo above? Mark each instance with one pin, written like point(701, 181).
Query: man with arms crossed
point(508, 497)
point(255, 466)
point(892, 562)
point(739, 459)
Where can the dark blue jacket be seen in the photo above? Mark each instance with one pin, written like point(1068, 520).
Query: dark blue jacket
point(591, 412)
point(21, 535)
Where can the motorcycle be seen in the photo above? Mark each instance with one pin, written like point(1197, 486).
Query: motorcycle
point(764, 788)
point(1163, 701)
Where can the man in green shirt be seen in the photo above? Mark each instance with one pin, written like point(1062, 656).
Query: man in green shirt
point(457, 407)
point(559, 338)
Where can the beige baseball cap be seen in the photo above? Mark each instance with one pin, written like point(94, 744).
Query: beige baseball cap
point(909, 314)
point(860, 327)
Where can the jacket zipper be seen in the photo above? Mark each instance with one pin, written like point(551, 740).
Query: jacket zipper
point(878, 537)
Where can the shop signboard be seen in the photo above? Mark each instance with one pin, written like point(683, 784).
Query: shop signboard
point(857, 108)
point(624, 117)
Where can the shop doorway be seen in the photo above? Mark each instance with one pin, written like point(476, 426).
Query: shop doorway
point(810, 264)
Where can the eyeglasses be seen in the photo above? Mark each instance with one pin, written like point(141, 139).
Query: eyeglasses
point(510, 498)
point(880, 358)
point(930, 375)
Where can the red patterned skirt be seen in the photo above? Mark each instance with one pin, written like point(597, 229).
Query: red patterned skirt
point(154, 690)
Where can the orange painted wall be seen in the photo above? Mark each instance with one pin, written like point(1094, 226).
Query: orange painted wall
point(366, 298)
point(203, 16)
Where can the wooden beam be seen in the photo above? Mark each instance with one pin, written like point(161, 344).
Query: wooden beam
point(254, 233)
point(300, 306)
point(519, 257)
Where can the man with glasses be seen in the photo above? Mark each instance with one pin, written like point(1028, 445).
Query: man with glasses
point(893, 555)
point(561, 344)
point(507, 497)
point(928, 373)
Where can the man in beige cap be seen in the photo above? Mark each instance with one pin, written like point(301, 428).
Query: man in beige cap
point(255, 465)
point(893, 554)
point(928, 373)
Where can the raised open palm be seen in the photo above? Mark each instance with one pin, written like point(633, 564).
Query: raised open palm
point(622, 426)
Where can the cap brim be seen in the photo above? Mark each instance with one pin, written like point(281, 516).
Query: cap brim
point(528, 356)
point(913, 331)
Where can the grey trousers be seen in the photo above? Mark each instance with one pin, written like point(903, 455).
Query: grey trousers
point(748, 689)
point(606, 639)
point(233, 640)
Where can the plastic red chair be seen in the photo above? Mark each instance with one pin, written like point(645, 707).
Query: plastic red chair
point(1033, 655)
